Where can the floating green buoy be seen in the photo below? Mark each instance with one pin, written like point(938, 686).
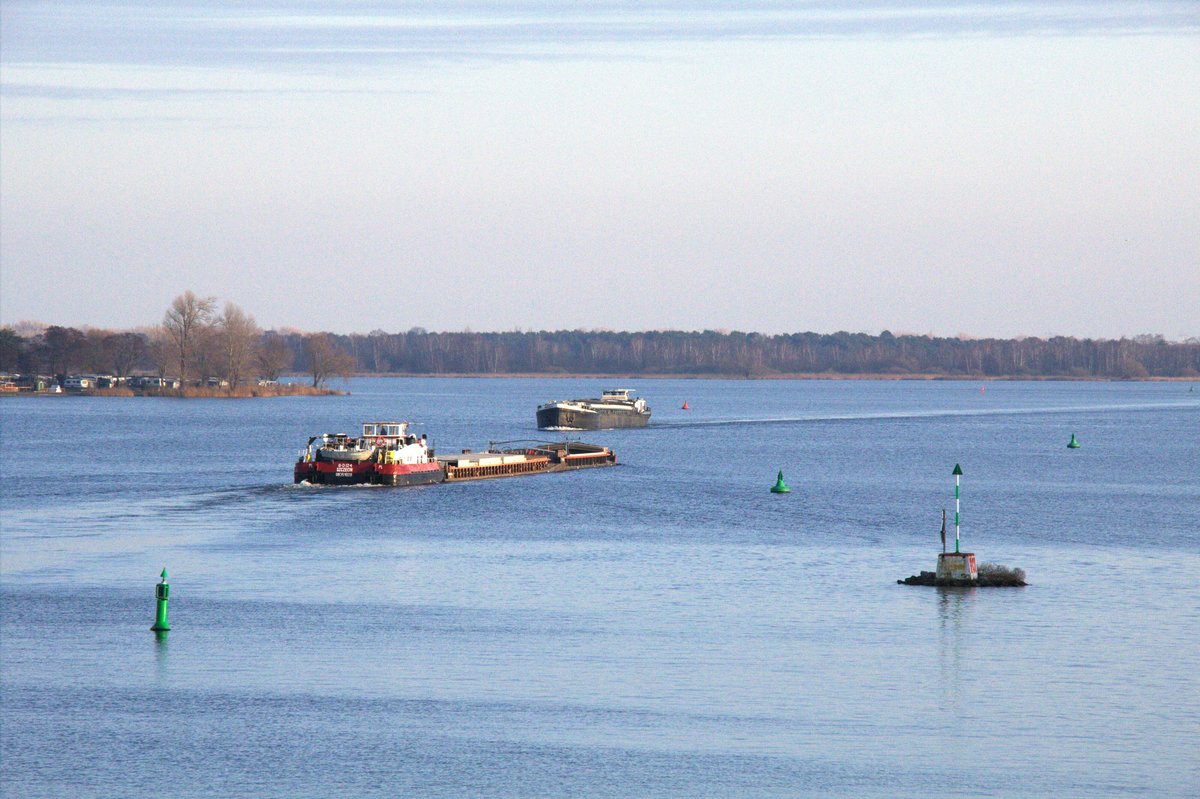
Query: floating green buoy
point(780, 487)
point(1073, 443)
point(161, 591)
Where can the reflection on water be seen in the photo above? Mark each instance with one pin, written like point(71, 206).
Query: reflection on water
point(161, 651)
point(954, 606)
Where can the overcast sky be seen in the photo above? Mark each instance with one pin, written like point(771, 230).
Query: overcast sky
point(994, 169)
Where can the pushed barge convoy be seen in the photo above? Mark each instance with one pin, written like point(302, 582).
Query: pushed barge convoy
point(387, 454)
point(616, 407)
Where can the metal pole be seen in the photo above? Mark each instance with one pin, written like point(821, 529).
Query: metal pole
point(956, 514)
point(957, 474)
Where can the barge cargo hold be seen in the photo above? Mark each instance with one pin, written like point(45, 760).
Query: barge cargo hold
point(386, 454)
point(536, 458)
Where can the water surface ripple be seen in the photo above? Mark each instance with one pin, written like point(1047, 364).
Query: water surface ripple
point(667, 628)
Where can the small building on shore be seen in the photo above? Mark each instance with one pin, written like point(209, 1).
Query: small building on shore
point(79, 383)
point(151, 382)
point(38, 384)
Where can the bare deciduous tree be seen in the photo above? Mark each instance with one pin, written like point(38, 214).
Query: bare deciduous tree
point(237, 336)
point(274, 356)
point(124, 351)
point(159, 349)
point(208, 361)
point(185, 322)
point(324, 359)
point(63, 349)
point(11, 345)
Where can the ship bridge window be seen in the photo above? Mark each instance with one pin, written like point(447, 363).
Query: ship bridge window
point(368, 430)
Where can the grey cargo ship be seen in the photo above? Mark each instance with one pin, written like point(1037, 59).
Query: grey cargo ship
point(616, 407)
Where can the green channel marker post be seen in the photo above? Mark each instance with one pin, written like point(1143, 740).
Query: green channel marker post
point(956, 568)
point(161, 591)
point(780, 487)
point(957, 475)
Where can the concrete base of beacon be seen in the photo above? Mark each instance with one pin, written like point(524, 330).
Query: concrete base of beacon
point(957, 568)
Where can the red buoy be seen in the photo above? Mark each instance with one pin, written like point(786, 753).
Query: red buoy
point(685, 407)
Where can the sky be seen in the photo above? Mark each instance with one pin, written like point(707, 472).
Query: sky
point(946, 168)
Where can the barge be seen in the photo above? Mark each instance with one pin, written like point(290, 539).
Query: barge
point(387, 454)
point(616, 407)
point(536, 458)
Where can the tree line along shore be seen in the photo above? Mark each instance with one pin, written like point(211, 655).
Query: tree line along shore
point(200, 349)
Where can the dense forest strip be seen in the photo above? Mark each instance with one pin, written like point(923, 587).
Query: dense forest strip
point(57, 350)
point(735, 354)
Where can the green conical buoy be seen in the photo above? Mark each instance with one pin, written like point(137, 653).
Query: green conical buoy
point(780, 487)
point(161, 592)
point(1073, 444)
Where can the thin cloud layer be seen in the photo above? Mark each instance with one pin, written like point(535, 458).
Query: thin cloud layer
point(341, 34)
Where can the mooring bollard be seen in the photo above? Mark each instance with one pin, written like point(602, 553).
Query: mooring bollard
point(161, 591)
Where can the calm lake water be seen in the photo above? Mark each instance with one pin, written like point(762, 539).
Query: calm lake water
point(663, 628)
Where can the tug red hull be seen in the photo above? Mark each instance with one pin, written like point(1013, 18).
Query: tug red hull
point(368, 472)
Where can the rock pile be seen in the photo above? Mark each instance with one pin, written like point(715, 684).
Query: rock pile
point(990, 575)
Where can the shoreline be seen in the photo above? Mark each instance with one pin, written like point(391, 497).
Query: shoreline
point(785, 376)
point(192, 393)
point(303, 390)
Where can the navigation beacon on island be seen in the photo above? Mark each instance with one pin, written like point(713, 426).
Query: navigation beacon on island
point(956, 566)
